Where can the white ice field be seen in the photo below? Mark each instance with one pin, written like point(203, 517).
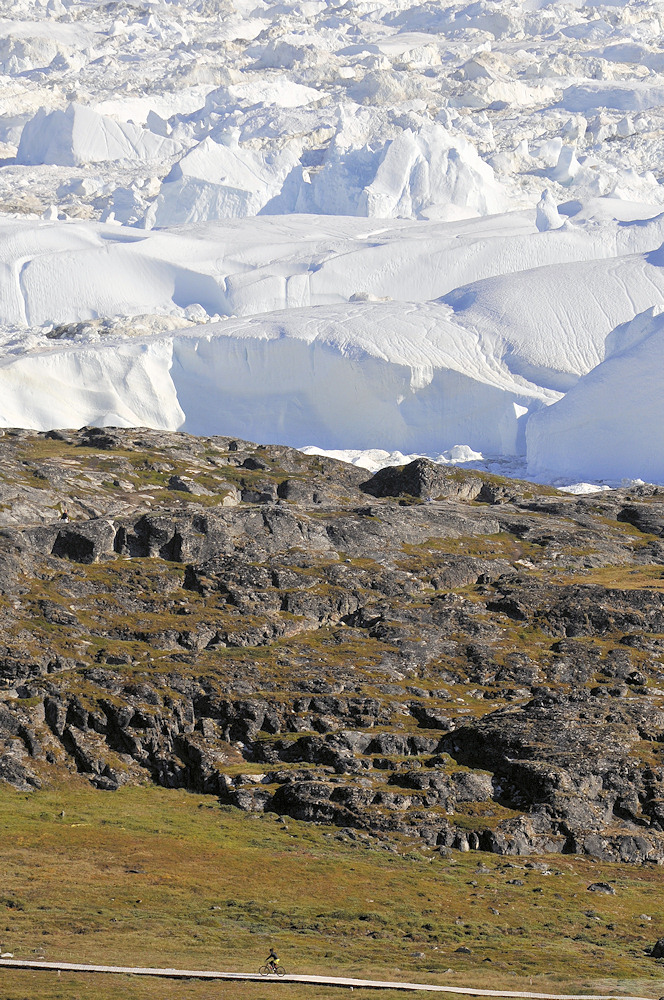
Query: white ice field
point(377, 228)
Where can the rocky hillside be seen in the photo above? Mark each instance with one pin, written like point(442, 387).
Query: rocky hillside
point(425, 653)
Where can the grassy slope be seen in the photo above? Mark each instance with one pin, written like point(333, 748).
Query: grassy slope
point(70, 987)
point(213, 888)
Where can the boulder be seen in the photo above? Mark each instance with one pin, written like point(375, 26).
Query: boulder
point(425, 480)
point(657, 950)
point(602, 887)
point(185, 484)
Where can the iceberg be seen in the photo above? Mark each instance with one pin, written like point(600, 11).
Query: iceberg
point(610, 425)
point(80, 135)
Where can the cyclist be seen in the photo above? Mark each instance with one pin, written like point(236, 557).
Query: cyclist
point(272, 960)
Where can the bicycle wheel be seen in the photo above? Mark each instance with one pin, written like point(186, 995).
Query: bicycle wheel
point(280, 970)
point(264, 971)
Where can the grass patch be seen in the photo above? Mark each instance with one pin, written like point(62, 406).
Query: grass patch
point(649, 577)
point(150, 877)
point(19, 985)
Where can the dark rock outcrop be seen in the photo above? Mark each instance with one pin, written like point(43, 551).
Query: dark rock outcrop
point(485, 672)
point(424, 480)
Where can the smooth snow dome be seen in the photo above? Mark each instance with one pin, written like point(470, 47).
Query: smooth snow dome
point(376, 230)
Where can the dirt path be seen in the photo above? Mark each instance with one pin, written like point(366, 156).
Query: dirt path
point(324, 980)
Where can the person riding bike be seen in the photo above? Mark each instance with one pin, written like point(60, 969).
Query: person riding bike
point(272, 960)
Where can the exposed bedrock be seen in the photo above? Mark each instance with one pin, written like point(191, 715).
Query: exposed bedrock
point(466, 661)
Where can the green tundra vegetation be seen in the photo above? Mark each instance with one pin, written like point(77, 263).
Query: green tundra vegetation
point(221, 624)
point(167, 878)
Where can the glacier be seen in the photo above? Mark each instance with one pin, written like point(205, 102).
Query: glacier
point(377, 231)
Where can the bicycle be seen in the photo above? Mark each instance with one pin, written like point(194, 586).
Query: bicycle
point(278, 970)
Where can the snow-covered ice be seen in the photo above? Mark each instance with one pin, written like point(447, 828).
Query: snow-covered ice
point(375, 230)
point(623, 396)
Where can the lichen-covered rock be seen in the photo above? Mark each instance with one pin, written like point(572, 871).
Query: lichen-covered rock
point(473, 676)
